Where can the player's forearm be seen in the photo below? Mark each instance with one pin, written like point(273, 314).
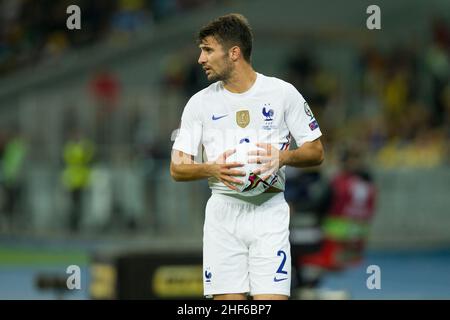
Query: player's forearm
point(190, 171)
point(308, 155)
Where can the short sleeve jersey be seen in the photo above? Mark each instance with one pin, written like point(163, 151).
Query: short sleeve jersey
point(271, 111)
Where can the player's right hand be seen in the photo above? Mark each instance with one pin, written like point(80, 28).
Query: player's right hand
point(225, 172)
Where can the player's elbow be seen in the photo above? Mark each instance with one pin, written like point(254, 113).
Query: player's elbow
point(174, 173)
point(320, 157)
point(319, 154)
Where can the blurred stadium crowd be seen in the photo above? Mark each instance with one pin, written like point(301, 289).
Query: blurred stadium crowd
point(401, 117)
point(33, 31)
point(397, 112)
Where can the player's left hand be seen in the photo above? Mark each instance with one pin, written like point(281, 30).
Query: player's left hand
point(269, 157)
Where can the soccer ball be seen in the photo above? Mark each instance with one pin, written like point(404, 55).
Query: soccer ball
point(253, 185)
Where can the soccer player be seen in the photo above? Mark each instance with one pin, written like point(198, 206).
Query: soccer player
point(246, 246)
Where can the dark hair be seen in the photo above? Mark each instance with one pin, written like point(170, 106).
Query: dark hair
point(230, 30)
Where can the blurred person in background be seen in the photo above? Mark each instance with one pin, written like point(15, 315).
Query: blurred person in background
point(306, 192)
point(78, 156)
point(438, 64)
point(446, 131)
point(344, 212)
point(105, 89)
point(129, 17)
point(13, 163)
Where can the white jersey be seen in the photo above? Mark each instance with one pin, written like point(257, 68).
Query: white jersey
point(271, 111)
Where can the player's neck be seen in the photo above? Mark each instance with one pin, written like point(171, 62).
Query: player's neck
point(241, 80)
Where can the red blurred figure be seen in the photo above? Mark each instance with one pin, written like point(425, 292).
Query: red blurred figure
point(105, 88)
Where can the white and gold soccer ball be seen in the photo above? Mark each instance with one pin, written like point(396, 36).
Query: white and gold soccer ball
point(253, 184)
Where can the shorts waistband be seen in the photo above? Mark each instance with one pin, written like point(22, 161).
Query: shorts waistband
point(262, 199)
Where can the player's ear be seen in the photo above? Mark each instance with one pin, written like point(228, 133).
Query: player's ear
point(234, 53)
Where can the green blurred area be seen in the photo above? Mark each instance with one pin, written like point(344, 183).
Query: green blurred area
point(37, 257)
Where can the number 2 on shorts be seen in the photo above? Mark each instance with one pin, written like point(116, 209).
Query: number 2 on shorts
point(280, 268)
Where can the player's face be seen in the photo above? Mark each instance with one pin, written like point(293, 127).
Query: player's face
point(215, 60)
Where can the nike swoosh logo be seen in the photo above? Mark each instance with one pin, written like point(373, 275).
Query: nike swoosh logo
point(220, 117)
point(278, 280)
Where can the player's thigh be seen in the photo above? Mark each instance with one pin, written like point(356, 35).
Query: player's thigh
point(225, 256)
point(270, 254)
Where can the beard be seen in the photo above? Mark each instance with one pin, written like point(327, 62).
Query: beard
point(225, 74)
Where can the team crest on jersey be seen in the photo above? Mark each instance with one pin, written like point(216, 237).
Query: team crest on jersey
point(243, 118)
point(268, 114)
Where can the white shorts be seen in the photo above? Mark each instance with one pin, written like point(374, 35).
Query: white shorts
point(246, 247)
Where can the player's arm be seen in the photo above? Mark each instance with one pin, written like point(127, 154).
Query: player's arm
point(184, 168)
point(307, 155)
